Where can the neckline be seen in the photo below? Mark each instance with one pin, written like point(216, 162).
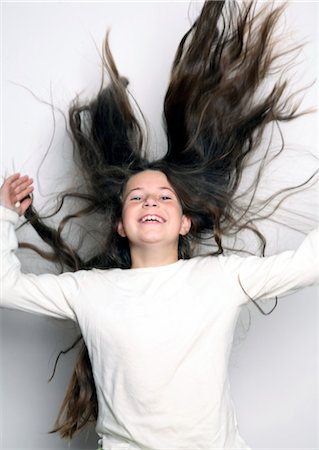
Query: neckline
point(156, 268)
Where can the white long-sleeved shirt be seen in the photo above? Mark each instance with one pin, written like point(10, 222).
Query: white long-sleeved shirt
point(159, 338)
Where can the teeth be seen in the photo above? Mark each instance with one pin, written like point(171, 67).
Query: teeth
point(151, 218)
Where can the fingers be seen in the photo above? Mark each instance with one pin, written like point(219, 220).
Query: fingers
point(20, 187)
point(15, 192)
point(20, 190)
point(12, 178)
point(24, 205)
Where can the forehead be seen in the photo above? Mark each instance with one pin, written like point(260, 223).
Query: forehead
point(148, 179)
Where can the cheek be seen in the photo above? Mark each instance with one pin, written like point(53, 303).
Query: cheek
point(124, 223)
point(126, 213)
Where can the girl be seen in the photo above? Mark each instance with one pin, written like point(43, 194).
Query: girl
point(159, 334)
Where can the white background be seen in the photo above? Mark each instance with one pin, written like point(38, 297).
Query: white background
point(48, 51)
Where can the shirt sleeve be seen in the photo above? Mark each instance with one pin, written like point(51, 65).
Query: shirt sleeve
point(48, 294)
point(265, 277)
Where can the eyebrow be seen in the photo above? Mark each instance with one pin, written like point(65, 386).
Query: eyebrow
point(141, 189)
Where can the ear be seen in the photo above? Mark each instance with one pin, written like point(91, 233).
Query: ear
point(185, 226)
point(120, 229)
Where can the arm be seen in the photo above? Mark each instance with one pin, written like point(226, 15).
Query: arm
point(45, 294)
point(276, 275)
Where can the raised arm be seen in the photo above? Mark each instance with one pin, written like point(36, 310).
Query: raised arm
point(275, 275)
point(48, 294)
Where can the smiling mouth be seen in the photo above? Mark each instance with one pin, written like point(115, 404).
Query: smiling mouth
point(151, 218)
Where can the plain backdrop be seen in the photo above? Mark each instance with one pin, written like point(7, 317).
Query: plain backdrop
point(50, 53)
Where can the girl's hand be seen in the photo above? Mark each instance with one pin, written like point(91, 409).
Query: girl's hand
point(15, 193)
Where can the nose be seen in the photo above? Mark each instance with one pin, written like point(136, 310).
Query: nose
point(150, 201)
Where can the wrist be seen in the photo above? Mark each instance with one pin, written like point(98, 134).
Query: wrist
point(8, 214)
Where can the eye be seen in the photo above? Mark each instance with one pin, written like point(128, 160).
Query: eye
point(136, 198)
point(165, 197)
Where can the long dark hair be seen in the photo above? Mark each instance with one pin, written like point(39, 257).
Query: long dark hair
point(214, 117)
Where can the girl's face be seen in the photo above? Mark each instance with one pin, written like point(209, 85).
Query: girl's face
point(152, 212)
